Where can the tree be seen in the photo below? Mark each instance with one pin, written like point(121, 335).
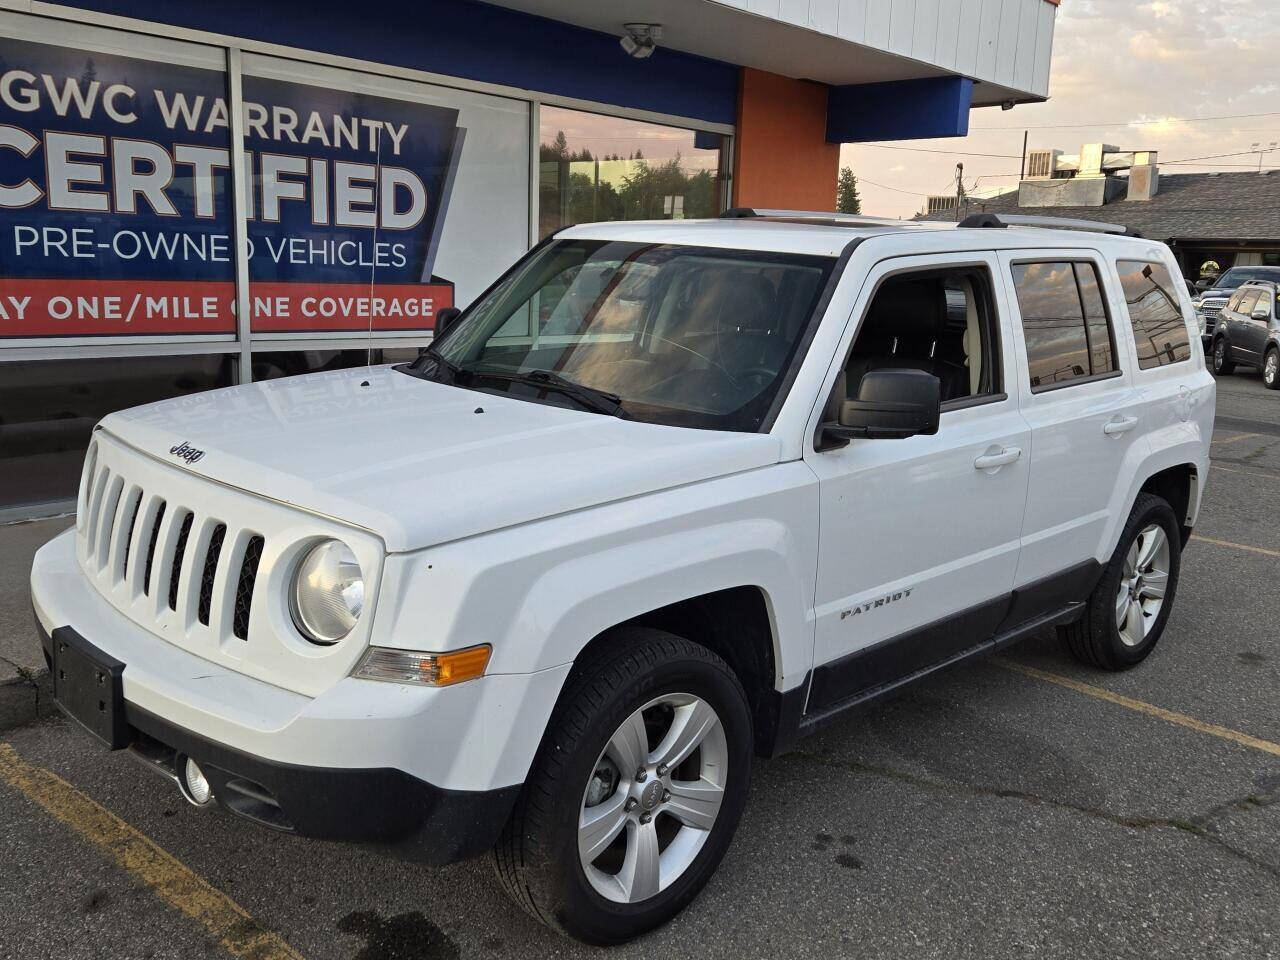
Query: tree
point(847, 199)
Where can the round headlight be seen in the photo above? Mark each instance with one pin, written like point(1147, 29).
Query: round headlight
point(328, 592)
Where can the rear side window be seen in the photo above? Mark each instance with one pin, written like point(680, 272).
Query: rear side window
point(1159, 331)
point(1064, 322)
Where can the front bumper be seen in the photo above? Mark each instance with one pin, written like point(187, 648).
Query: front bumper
point(433, 771)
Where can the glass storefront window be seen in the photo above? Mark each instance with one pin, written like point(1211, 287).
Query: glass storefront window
point(48, 409)
point(594, 167)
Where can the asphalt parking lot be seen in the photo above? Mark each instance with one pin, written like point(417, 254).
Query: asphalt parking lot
point(1021, 806)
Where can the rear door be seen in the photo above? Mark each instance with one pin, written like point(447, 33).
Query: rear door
point(1084, 416)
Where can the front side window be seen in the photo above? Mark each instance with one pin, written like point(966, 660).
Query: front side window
point(1064, 322)
point(1159, 330)
point(680, 335)
point(938, 321)
point(1247, 302)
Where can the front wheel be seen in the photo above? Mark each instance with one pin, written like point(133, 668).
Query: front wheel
point(1271, 369)
point(636, 790)
point(1222, 365)
point(1128, 609)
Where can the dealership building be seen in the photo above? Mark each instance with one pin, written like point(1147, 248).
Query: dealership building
point(196, 195)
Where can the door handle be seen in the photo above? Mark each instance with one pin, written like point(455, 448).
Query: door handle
point(1118, 425)
point(990, 461)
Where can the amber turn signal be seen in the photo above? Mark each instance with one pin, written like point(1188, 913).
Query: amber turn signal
point(428, 669)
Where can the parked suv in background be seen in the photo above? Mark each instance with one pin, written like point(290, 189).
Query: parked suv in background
point(668, 495)
point(1248, 331)
point(1214, 297)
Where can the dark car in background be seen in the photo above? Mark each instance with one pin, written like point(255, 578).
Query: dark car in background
point(1248, 331)
point(1214, 295)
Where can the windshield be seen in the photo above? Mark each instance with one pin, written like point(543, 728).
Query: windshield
point(1238, 275)
point(687, 336)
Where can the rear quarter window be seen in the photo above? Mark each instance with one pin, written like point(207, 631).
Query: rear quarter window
point(1159, 329)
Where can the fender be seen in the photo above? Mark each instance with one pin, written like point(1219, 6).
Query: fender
point(1172, 445)
point(538, 593)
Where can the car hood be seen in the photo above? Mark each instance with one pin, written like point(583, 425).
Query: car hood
point(421, 463)
point(1217, 292)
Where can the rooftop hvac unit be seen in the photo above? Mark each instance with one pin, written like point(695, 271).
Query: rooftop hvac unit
point(938, 203)
point(1042, 164)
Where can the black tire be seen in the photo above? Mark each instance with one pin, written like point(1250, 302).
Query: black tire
point(1095, 639)
point(1222, 363)
point(1271, 369)
point(536, 858)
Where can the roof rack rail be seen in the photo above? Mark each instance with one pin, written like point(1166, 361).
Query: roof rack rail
point(826, 216)
point(991, 220)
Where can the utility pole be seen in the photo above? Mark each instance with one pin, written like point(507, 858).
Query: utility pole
point(1262, 151)
point(1022, 174)
point(959, 191)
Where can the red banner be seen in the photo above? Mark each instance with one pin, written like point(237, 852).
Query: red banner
point(113, 308)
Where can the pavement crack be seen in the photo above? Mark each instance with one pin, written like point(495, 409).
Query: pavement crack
point(1199, 826)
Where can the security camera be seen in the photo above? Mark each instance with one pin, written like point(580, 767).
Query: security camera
point(1007, 105)
point(641, 39)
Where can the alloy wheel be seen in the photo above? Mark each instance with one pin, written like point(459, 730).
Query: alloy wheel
point(1143, 582)
point(1272, 368)
point(653, 798)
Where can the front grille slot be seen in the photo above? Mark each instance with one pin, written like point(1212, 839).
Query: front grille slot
point(151, 549)
point(110, 506)
point(210, 569)
point(178, 551)
point(128, 537)
point(95, 507)
point(244, 586)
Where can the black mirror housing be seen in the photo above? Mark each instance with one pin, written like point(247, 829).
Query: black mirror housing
point(445, 319)
point(892, 404)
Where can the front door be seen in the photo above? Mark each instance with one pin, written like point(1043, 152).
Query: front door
point(918, 538)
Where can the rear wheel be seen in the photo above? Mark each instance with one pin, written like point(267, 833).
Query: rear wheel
point(1271, 369)
point(1222, 365)
point(1128, 609)
point(635, 793)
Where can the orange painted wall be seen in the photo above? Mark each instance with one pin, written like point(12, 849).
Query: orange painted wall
point(782, 158)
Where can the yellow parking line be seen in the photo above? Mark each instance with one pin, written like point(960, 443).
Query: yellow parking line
point(1246, 473)
point(228, 923)
point(1239, 436)
point(1141, 706)
point(1239, 546)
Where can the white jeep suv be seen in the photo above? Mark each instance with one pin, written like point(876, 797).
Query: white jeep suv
point(666, 497)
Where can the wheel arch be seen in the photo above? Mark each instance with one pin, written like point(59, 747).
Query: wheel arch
point(737, 624)
point(1179, 486)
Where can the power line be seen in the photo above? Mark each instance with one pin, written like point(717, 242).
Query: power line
point(1131, 123)
point(949, 153)
point(883, 186)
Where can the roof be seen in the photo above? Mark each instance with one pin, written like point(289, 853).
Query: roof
point(823, 238)
point(829, 234)
point(1188, 206)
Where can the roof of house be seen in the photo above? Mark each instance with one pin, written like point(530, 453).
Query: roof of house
point(1187, 206)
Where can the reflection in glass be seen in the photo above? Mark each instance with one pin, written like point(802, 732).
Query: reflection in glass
point(593, 167)
point(1159, 329)
point(48, 409)
point(687, 336)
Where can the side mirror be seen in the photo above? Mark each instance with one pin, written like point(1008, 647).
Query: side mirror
point(1262, 312)
point(892, 404)
point(445, 319)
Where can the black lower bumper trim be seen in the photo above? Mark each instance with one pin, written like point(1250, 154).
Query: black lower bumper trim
point(379, 806)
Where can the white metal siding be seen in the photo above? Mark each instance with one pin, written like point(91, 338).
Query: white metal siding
point(1006, 42)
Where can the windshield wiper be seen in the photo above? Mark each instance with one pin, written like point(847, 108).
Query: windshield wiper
point(601, 401)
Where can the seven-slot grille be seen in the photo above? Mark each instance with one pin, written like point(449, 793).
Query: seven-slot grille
point(128, 544)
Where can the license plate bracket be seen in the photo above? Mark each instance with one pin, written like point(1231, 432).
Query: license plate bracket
point(88, 687)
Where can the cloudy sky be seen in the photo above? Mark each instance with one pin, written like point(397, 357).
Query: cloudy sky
point(1115, 63)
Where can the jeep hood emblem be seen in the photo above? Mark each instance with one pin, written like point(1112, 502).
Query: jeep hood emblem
point(184, 451)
